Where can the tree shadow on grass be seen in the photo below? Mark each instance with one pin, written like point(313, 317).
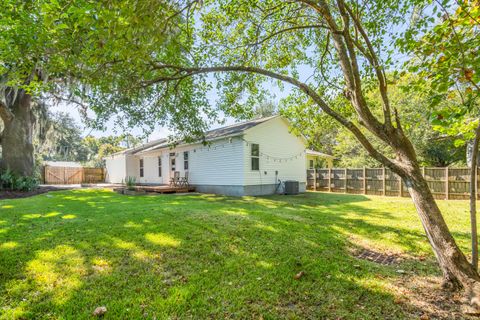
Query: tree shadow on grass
point(197, 256)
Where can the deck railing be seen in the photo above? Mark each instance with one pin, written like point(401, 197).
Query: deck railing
point(444, 182)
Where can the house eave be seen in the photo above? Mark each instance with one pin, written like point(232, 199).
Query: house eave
point(173, 145)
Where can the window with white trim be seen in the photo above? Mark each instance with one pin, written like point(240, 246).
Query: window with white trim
point(159, 166)
point(255, 157)
point(141, 168)
point(185, 160)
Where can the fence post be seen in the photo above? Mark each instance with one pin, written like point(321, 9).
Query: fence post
point(329, 179)
point(346, 180)
point(314, 179)
point(383, 181)
point(446, 183)
point(364, 180)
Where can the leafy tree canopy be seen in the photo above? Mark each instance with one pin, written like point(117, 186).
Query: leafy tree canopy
point(101, 55)
point(445, 40)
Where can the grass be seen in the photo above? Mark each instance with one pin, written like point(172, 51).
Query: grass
point(203, 256)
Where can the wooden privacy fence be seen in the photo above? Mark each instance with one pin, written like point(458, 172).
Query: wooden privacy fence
point(72, 175)
point(445, 183)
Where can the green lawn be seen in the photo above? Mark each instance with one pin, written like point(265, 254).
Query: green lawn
point(63, 254)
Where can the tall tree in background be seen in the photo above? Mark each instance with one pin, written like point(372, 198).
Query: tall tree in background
point(413, 101)
point(265, 109)
point(61, 139)
point(58, 137)
point(98, 148)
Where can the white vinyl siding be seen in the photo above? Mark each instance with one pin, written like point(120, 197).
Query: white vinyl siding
point(280, 151)
point(219, 163)
point(115, 168)
point(133, 167)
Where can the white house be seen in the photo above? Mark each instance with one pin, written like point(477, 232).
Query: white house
point(248, 158)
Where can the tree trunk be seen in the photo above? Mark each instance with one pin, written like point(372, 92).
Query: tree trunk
point(457, 271)
point(16, 139)
point(473, 198)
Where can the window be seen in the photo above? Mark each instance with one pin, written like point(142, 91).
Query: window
point(255, 154)
point(172, 164)
point(159, 166)
point(141, 168)
point(185, 160)
point(311, 164)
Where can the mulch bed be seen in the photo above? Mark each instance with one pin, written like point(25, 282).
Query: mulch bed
point(6, 194)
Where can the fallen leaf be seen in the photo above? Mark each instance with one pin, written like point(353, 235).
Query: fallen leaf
point(100, 311)
point(299, 275)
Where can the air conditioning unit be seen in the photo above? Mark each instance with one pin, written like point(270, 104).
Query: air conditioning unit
point(291, 187)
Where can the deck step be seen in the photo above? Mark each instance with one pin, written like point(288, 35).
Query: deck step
point(165, 189)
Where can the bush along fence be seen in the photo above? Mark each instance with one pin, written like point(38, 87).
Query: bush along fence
point(72, 175)
point(445, 183)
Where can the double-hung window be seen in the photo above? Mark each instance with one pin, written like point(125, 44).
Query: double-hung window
point(255, 156)
point(141, 168)
point(159, 166)
point(185, 160)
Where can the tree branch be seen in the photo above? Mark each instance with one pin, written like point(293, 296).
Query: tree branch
point(274, 34)
point(348, 63)
point(183, 72)
point(373, 60)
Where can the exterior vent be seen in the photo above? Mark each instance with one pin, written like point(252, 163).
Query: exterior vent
point(291, 187)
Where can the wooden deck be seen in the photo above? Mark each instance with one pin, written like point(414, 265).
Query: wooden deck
point(165, 189)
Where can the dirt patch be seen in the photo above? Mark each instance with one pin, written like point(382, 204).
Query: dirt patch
point(420, 295)
point(424, 298)
point(7, 194)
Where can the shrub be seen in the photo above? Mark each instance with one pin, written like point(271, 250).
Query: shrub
point(130, 182)
point(26, 183)
point(11, 181)
point(7, 179)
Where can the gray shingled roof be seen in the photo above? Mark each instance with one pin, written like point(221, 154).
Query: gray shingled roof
point(143, 146)
point(235, 128)
point(232, 130)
